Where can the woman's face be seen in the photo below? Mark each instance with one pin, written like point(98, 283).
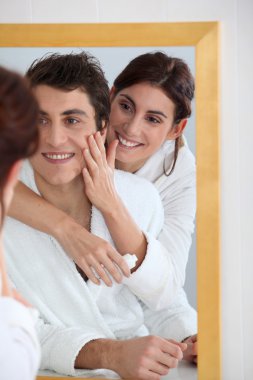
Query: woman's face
point(141, 119)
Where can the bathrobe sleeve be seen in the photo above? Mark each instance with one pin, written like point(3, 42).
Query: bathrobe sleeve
point(177, 322)
point(19, 348)
point(151, 282)
point(61, 345)
point(167, 254)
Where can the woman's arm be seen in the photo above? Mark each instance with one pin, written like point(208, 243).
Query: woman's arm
point(100, 189)
point(5, 289)
point(81, 245)
point(31, 209)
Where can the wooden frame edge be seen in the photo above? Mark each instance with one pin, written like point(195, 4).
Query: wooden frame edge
point(204, 36)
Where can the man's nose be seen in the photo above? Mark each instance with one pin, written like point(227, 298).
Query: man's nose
point(56, 136)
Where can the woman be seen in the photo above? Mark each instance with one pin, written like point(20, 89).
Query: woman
point(18, 140)
point(151, 101)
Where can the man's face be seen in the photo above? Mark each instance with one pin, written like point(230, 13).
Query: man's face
point(66, 120)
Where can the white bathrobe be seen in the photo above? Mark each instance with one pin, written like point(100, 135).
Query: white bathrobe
point(72, 311)
point(178, 194)
point(19, 347)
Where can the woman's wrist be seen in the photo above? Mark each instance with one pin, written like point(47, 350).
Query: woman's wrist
point(63, 226)
point(115, 210)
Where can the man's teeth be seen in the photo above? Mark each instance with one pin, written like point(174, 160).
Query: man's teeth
point(126, 142)
point(58, 156)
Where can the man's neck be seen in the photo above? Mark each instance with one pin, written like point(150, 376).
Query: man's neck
point(70, 198)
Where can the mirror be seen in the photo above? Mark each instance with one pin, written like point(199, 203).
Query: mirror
point(202, 40)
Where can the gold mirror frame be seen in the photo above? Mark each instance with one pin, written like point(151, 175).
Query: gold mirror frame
point(204, 36)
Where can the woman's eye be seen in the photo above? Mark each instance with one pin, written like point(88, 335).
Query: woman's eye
point(125, 106)
point(42, 121)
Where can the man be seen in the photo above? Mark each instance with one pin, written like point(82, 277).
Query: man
point(84, 326)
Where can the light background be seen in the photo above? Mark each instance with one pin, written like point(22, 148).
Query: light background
point(236, 137)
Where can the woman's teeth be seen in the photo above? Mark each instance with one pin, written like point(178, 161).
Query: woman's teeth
point(126, 142)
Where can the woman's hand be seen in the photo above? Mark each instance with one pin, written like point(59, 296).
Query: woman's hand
point(98, 174)
point(96, 257)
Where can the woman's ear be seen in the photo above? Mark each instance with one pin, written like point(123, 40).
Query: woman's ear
point(177, 130)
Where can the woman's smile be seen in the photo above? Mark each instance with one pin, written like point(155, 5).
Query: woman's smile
point(126, 143)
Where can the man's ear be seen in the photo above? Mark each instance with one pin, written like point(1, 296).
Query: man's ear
point(177, 130)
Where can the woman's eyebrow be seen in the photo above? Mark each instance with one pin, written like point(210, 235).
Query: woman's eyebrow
point(43, 113)
point(149, 111)
point(128, 98)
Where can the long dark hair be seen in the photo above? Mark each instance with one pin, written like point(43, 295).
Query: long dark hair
point(171, 75)
point(19, 135)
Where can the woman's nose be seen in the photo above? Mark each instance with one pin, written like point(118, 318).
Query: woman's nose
point(132, 127)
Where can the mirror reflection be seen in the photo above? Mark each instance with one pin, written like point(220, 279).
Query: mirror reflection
point(88, 300)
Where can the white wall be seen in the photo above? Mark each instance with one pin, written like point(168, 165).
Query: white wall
point(236, 137)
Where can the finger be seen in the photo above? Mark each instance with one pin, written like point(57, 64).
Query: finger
point(101, 145)
point(90, 163)
point(158, 368)
point(182, 345)
point(87, 178)
point(166, 360)
point(103, 275)
point(94, 150)
point(172, 349)
point(195, 348)
point(89, 273)
point(111, 153)
point(195, 359)
point(120, 262)
point(112, 269)
point(147, 375)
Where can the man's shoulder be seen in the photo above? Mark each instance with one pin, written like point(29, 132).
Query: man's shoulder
point(131, 183)
point(27, 175)
point(139, 195)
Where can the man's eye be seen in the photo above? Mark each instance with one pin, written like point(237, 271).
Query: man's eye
point(153, 119)
point(72, 120)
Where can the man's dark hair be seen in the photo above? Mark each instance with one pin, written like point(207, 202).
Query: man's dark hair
point(72, 71)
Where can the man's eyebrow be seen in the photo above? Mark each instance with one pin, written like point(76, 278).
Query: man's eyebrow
point(43, 113)
point(149, 111)
point(74, 111)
